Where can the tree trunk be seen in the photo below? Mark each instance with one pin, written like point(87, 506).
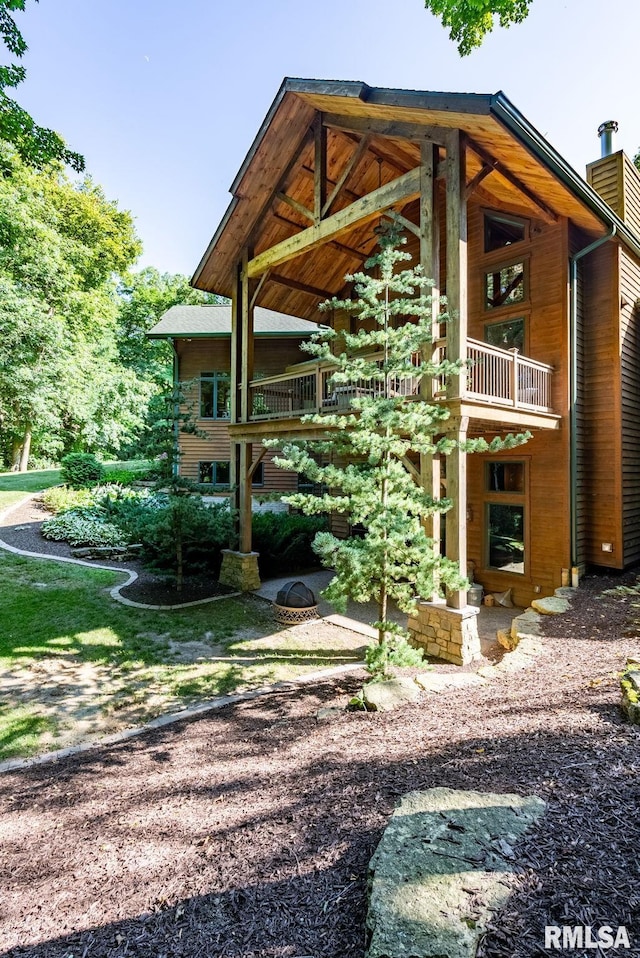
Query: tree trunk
point(26, 449)
point(15, 455)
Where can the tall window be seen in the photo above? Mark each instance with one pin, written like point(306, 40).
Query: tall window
point(505, 516)
point(215, 396)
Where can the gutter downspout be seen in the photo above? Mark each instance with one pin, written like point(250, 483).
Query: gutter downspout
point(573, 379)
point(175, 463)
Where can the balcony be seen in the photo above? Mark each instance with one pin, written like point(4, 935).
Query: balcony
point(496, 378)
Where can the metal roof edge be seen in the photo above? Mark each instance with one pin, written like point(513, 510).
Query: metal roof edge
point(479, 103)
point(518, 124)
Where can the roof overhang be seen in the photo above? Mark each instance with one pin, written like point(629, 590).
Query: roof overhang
point(491, 123)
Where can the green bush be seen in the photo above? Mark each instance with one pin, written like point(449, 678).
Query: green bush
point(181, 535)
point(284, 541)
point(81, 469)
point(82, 527)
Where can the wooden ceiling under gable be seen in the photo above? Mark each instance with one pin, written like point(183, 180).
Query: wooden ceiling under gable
point(369, 143)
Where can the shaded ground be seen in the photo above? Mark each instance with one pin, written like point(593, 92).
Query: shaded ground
point(247, 833)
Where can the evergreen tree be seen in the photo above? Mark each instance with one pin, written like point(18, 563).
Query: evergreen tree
point(361, 462)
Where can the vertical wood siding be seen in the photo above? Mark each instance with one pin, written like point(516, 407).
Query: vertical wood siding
point(600, 438)
point(630, 413)
point(545, 310)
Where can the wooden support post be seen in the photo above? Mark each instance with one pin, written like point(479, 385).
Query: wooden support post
point(244, 498)
point(236, 346)
point(456, 259)
point(245, 339)
point(456, 517)
point(429, 233)
point(430, 481)
point(319, 168)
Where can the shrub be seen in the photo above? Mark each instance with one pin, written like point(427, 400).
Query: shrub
point(182, 535)
point(285, 541)
point(62, 498)
point(81, 469)
point(82, 527)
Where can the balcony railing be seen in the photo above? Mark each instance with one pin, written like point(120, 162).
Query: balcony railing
point(498, 377)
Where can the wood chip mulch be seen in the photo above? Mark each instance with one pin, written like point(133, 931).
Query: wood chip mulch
point(247, 833)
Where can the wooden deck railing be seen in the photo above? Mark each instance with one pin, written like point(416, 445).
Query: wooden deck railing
point(503, 377)
point(499, 377)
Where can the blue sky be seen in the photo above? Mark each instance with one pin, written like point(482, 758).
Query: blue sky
point(164, 98)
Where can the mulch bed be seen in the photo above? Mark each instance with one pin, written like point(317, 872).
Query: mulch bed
point(247, 833)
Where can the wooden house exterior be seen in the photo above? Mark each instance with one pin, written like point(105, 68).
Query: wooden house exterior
point(541, 271)
point(201, 341)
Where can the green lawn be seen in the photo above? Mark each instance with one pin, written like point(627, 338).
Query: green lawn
point(75, 663)
point(16, 485)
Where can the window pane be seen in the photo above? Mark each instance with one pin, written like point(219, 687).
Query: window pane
point(509, 335)
point(505, 477)
point(205, 472)
point(206, 399)
point(258, 476)
point(504, 286)
point(506, 538)
point(222, 473)
point(223, 397)
point(499, 232)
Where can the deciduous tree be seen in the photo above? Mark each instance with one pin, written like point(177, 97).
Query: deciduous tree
point(469, 21)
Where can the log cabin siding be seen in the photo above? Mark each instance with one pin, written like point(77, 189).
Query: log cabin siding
point(214, 355)
point(631, 180)
point(630, 412)
point(606, 177)
point(582, 464)
point(601, 437)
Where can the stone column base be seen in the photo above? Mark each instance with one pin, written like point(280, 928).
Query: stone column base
point(240, 570)
point(445, 633)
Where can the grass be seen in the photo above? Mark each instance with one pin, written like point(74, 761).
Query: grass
point(73, 662)
point(14, 486)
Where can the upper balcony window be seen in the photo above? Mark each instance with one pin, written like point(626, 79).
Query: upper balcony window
point(501, 231)
point(505, 286)
point(507, 335)
point(215, 396)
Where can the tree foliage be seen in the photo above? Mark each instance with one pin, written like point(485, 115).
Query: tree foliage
point(469, 21)
point(36, 145)
point(361, 464)
point(62, 384)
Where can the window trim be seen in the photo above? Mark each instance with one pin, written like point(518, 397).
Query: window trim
point(497, 267)
point(215, 484)
point(493, 320)
point(512, 218)
point(495, 497)
point(214, 377)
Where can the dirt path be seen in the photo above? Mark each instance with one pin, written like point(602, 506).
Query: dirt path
point(247, 833)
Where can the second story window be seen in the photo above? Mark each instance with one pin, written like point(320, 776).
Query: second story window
point(215, 395)
point(501, 231)
point(505, 285)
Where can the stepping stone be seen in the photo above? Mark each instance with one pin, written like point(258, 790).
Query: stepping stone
point(446, 862)
point(390, 694)
point(551, 605)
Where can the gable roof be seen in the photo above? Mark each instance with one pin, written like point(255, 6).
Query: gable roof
point(498, 135)
point(214, 321)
